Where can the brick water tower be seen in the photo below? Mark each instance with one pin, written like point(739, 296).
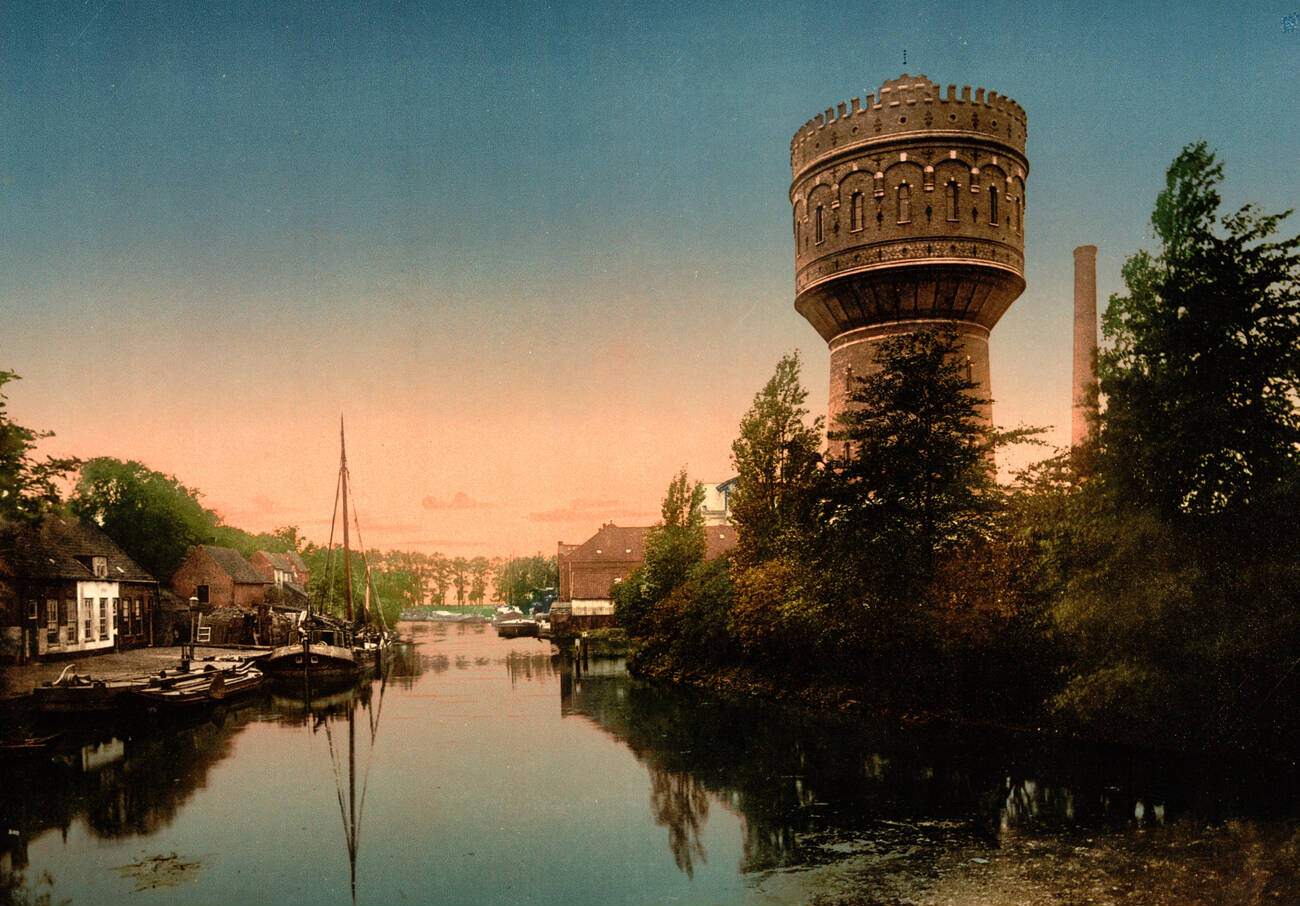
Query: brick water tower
point(909, 212)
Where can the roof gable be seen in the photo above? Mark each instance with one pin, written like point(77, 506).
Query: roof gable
point(61, 546)
point(614, 543)
point(233, 564)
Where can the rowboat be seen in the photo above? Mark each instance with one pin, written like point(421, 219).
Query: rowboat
point(210, 687)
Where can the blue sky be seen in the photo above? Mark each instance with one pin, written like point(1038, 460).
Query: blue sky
point(565, 223)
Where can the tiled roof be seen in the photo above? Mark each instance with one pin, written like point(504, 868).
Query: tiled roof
point(613, 543)
point(719, 539)
point(281, 561)
point(295, 560)
point(234, 564)
point(61, 547)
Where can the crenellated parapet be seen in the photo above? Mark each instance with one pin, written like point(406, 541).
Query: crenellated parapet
point(908, 104)
point(908, 208)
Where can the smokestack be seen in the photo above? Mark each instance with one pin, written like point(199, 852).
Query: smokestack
point(1085, 339)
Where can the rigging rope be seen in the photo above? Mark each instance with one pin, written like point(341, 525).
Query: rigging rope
point(329, 553)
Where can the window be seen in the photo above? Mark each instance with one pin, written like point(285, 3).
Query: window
point(33, 609)
point(139, 618)
point(993, 205)
point(87, 605)
point(904, 203)
point(952, 193)
point(52, 621)
point(201, 592)
point(796, 231)
point(103, 618)
point(70, 618)
point(818, 231)
point(855, 211)
point(99, 566)
point(117, 618)
point(1020, 217)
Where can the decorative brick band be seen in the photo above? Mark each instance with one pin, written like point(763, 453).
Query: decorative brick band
point(905, 251)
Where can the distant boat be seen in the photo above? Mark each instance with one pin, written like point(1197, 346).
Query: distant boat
point(513, 629)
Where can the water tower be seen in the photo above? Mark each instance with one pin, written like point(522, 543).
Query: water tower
point(909, 212)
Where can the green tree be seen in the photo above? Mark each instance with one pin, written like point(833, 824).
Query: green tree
point(460, 578)
point(521, 581)
point(677, 543)
point(917, 474)
point(673, 547)
point(150, 515)
point(478, 579)
point(776, 458)
point(27, 486)
point(1174, 568)
point(1202, 374)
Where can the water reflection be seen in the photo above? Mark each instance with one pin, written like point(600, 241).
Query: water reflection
point(806, 790)
point(337, 712)
point(134, 783)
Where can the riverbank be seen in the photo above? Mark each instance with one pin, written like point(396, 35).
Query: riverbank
point(1184, 864)
point(18, 680)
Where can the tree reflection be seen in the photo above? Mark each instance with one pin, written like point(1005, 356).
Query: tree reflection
point(800, 784)
point(680, 803)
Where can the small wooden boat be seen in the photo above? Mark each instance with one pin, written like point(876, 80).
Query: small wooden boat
point(209, 687)
point(74, 693)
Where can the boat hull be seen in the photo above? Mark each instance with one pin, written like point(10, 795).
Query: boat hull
point(514, 629)
point(316, 660)
point(203, 691)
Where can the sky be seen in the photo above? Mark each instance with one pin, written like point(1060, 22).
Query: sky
point(537, 254)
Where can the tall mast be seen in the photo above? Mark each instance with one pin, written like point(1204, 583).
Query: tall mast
point(347, 550)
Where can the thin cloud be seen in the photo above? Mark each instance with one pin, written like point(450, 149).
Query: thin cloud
point(587, 510)
point(441, 542)
point(458, 501)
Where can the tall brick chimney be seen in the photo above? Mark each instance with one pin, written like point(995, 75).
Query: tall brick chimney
point(1085, 339)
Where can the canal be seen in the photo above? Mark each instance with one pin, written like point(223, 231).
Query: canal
point(482, 771)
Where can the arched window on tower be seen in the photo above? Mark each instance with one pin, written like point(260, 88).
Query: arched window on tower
point(855, 211)
point(819, 232)
point(953, 194)
point(1020, 218)
point(796, 231)
point(904, 203)
point(993, 205)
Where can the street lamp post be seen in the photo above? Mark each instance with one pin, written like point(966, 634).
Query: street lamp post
point(187, 650)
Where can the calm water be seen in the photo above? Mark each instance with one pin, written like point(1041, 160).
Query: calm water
point(485, 772)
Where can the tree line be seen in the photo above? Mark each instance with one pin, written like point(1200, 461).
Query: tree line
point(156, 519)
point(1140, 586)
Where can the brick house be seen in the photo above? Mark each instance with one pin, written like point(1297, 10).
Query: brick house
point(66, 588)
point(589, 571)
point(282, 569)
point(219, 577)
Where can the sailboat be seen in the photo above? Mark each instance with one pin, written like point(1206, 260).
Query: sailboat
point(325, 651)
